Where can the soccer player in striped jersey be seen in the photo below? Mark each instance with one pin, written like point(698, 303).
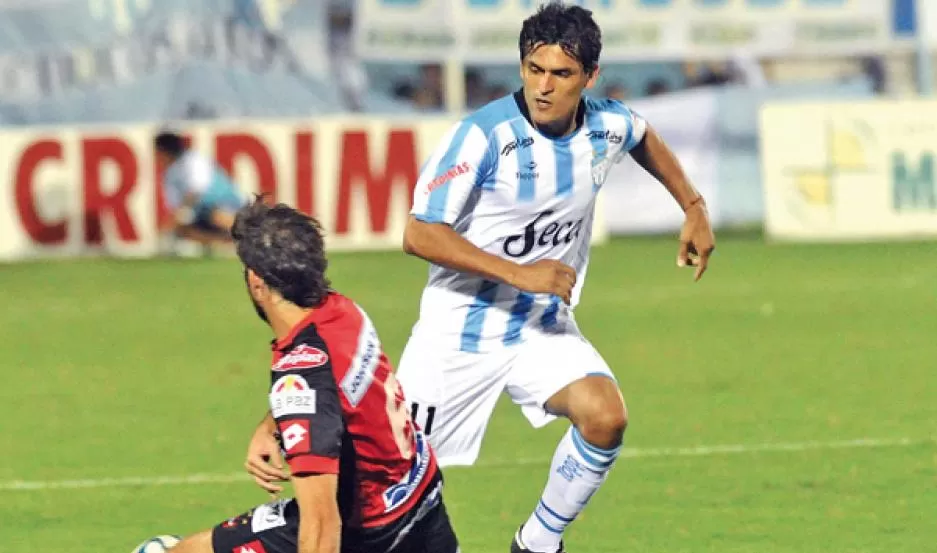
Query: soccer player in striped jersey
point(503, 211)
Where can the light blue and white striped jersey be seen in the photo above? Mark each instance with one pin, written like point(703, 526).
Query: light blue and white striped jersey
point(518, 194)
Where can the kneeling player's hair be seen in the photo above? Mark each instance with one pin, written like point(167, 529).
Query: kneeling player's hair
point(170, 143)
point(570, 27)
point(284, 247)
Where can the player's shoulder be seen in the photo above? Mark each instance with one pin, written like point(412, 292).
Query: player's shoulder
point(493, 114)
point(307, 350)
point(607, 106)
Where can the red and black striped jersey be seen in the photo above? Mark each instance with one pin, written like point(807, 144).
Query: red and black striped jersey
point(340, 410)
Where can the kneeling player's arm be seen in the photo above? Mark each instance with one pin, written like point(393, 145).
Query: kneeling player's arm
point(306, 406)
point(438, 243)
point(320, 525)
point(656, 158)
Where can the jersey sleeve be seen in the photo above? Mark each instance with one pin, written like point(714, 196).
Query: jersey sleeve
point(635, 126)
point(197, 172)
point(304, 403)
point(462, 161)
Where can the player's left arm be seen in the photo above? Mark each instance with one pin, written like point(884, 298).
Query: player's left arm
point(649, 150)
point(305, 404)
point(319, 520)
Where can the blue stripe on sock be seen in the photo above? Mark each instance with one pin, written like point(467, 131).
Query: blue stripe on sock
point(594, 448)
point(553, 513)
point(597, 465)
point(475, 318)
point(519, 313)
point(545, 525)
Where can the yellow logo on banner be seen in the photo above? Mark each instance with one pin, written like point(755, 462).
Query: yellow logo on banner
point(847, 151)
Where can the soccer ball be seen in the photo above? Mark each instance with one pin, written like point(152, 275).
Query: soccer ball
point(157, 544)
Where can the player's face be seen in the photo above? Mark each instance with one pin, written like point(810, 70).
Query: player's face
point(553, 85)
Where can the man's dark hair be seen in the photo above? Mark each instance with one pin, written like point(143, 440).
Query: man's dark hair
point(170, 143)
point(570, 27)
point(284, 247)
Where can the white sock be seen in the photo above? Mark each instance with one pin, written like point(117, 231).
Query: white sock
point(578, 469)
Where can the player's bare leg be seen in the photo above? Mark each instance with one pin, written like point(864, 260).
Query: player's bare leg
point(585, 455)
point(196, 543)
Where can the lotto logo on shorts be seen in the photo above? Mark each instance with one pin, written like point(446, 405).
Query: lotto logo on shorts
point(251, 547)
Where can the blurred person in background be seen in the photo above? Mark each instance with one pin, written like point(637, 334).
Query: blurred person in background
point(201, 197)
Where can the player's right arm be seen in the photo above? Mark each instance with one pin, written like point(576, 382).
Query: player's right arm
point(459, 165)
point(263, 456)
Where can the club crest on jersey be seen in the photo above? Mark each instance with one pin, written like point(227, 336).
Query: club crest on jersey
point(601, 165)
point(302, 357)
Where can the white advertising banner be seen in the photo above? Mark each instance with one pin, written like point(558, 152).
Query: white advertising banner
point(487, 30)
point(850, 171)
point(93, 190)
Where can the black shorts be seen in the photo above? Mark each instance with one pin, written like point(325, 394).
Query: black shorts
point(273, 528)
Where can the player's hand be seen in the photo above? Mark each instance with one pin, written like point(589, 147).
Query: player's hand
point(547, 276)
point(697, 241)
point(264, 462)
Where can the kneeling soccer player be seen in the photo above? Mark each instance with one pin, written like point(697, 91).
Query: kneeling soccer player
point(364, 477)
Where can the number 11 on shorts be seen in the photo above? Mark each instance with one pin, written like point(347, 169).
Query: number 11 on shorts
point(426, 425)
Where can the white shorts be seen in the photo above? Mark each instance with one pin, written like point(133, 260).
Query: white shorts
point(453, 393)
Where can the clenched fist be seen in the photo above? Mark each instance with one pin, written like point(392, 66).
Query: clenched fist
point(547, 276)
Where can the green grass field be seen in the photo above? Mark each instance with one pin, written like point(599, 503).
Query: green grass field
point(814, 365)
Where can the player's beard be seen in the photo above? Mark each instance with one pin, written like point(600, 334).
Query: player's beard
point(257, 307)
point(260, 311)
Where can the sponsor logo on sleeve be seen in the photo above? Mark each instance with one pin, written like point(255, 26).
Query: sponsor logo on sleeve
point(290, 383)
point(453, 172)
point(293, 403)
point(301, 357)
point(360, 373)
point(295, 436)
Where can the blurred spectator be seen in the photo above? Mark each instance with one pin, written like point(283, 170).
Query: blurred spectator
point(352, 77)
point(475, 90)
point(874, 69)
point(617, 91)
point(429, 94)
point(656, 87)
point(704, 74)
point(497, 91)
point(746, 70)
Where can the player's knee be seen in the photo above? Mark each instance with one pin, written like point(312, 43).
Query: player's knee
point(604, 423)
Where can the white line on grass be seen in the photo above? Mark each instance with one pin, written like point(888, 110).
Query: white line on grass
point(699, 451)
